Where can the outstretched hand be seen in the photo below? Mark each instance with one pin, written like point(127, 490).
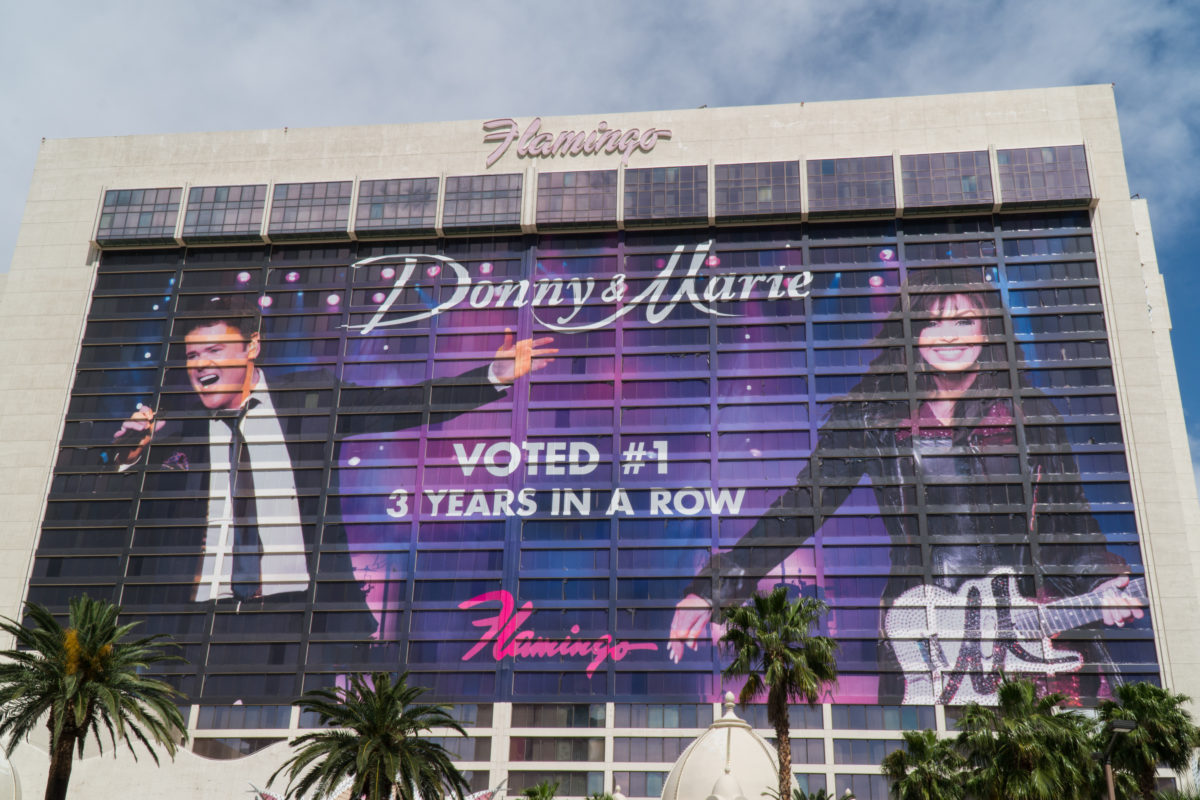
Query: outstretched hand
point(692, 614)
point(517, 359)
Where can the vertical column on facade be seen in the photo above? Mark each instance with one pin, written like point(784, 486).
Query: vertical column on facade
point(610, 724)
point(352, 217)
point(529, 200)
point(712, 197)
point(183, 197)
point(439, 211)
point(501, 731)
point(621, 199)
point(994, 168)
point(803, 194)
point(97, 215)
point(827, 737)
point(898, 183)
point(266, 218)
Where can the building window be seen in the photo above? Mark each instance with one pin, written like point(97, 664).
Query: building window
point(482, 202)
point(566, 198)
point(946, 179)
point(229, 749)
point(224, 212)
point(139, 216)
point(400, 205)
point(310, 208)
point(663, 194)
point(757, 189)
point(1043, 174)
point(538, 748)
point(558, 715)
point(851, 184)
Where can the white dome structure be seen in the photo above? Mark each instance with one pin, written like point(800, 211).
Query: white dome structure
point(729, 761)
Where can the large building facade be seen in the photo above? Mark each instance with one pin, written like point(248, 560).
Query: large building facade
point(517, 405)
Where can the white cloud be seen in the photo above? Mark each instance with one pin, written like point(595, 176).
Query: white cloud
point(81, 68)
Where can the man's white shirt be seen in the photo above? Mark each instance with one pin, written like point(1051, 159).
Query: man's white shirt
point(284, 564)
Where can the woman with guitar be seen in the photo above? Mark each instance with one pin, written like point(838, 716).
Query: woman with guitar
point(985, 602)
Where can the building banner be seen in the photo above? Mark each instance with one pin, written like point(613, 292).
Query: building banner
point(537, 468)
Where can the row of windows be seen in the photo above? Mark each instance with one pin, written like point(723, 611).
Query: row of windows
point(955, 179)
point(791, 235)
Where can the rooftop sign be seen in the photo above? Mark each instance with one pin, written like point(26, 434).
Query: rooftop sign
point(536, 143)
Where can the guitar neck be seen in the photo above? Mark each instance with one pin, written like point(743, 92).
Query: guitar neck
point(1071, 612)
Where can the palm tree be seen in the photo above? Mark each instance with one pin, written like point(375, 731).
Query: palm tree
point(1027, 748)
point(1165, 733)
point(375, 742)
point(927, 768)
point(542, 791)
point(85, 679)
point(774, 649)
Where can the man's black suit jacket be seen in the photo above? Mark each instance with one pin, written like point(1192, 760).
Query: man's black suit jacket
point(175, 489)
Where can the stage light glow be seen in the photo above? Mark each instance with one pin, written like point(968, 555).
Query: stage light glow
point(887, 254)
point(378, 297)
point(292, 277)
point(486, 268)
point(387, 273)
point(333, 299)
point(433, 271)
point(712, 261)
point(265, 301)
point(243, 277)
point(876, 281)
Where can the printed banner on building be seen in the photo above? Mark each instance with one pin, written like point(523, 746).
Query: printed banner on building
point(537, 468)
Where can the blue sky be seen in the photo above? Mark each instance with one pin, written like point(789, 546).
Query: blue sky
point(115, 68)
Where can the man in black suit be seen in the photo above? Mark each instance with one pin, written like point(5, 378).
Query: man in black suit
point(235, 459)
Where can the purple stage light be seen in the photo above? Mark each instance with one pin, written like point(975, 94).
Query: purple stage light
point(486, 268)
point(265, 301)
point(243, 277)
point(712, 261)
point(333, 299)
point(387, 273)
point(887, 254)
point(875, 281)
point(378, 297)
point(433, 271)
point(292, 277)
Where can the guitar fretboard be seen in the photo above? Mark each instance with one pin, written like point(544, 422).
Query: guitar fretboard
point(1071, 612)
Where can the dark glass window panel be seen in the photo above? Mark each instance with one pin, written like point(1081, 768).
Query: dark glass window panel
point(757, 189)
point(139, 216)
point(243, 716)
point(851, 184)
point(310, 208)
point(640, 784)
point(229, 749)
point(664, 194)
point(575, 198)
point(1044, 175)
point(551, 715)
point(946, 179)
point(863, 751)
point(482, 202)
point(578, 784)
point(218, 212)
point(532, 748)
point(663, 715)
point(396, 205)
point(651, 749)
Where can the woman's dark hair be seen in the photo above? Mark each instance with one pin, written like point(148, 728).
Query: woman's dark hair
point(925, 309)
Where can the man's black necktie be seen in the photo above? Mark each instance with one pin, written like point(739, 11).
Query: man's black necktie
point(247, 546)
